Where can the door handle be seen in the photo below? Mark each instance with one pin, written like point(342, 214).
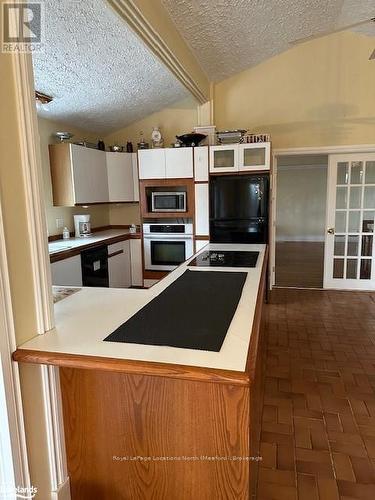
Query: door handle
point(331, 230)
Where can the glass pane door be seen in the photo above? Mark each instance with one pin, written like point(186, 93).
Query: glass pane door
point(349, 258)
point(224, 158)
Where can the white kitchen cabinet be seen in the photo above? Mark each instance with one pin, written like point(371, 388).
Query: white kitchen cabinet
point(240, 157)
point(178, 163)
point(119, 268)
point(136, 262)
point(78, 174)
point(122, 184)
point(199, 244)
point(165, 163)
point(254, 156)
point(201, 210)
point(67, 272)
point(135, 176)
point(151, 163)
point(201, 164)
point(224, 158)
point(90, 175)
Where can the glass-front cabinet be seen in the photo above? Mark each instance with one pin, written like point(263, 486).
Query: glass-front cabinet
point(224, 158)
point(254, 156)
point(240, 157)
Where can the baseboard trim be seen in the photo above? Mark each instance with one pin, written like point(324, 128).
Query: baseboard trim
point(63, 491)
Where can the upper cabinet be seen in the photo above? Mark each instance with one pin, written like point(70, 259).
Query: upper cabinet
point(122, 177)
point(240, 157)
point(224, 158)
point(88, 167)
point(82, 176)
point(254, 156)
point(165, 163)
point(151, 163)
point(201, 164)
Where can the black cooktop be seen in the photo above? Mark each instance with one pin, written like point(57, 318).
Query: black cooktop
point(225, 258)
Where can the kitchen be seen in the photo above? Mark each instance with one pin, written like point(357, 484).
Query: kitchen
point(136, 266)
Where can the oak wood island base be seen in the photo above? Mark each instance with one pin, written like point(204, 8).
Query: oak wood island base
point(142, 430)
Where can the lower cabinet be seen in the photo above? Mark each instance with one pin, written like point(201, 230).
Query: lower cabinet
point(136, 262)
point(67, 272)
point(119, 269)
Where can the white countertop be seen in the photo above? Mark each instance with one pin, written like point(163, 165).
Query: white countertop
point(85, 318)
point(63, 245)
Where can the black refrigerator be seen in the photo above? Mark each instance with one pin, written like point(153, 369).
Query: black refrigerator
point(239, 208)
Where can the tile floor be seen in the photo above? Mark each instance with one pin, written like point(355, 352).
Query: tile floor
point(318, 427)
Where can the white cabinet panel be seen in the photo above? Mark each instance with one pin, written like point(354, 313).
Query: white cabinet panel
point(201, 163)
point(151, 163)
point(136, 262)
point(135, 177)
point(178, 163)
point(120, 176)
point(199, 244)
point(90, 175)
point(224, 158)
point(254, 156)
point(119, 265)
point(67, 272)
point(201, 210)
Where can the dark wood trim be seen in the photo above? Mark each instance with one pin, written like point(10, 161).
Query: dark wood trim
point(154, 275)
point(205, 238)
point(115, 253)
point(55, 257)
point(188, 183)
point(132, 367)
point(253, 352)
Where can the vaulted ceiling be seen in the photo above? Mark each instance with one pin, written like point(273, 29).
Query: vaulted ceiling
point(101, 76)
point(228, 36)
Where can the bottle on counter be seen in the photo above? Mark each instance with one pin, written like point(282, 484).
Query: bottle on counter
point(66, 233)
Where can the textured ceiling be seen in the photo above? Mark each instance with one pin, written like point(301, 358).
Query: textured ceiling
point(228, 36)
point(101, 76)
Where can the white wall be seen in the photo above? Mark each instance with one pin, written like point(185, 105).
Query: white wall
point(301, 200)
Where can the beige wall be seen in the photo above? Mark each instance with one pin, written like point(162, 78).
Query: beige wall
point(99, 213)
point(175, 120)
point(317, 93)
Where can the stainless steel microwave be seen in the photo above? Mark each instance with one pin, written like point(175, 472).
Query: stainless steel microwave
point(162, 201)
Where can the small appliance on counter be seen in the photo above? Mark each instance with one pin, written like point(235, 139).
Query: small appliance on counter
point(82, 226)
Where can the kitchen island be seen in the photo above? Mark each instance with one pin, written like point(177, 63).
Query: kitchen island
point(151, 421)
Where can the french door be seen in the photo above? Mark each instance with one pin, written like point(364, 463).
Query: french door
point(349, 246)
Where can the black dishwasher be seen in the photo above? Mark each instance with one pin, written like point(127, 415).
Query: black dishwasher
point(94, 263)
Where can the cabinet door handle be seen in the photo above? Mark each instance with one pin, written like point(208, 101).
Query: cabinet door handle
point(115, 253)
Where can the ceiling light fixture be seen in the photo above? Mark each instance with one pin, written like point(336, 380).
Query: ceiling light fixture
point(42, 98)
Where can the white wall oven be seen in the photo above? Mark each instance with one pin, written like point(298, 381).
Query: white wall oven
point(166, 246)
